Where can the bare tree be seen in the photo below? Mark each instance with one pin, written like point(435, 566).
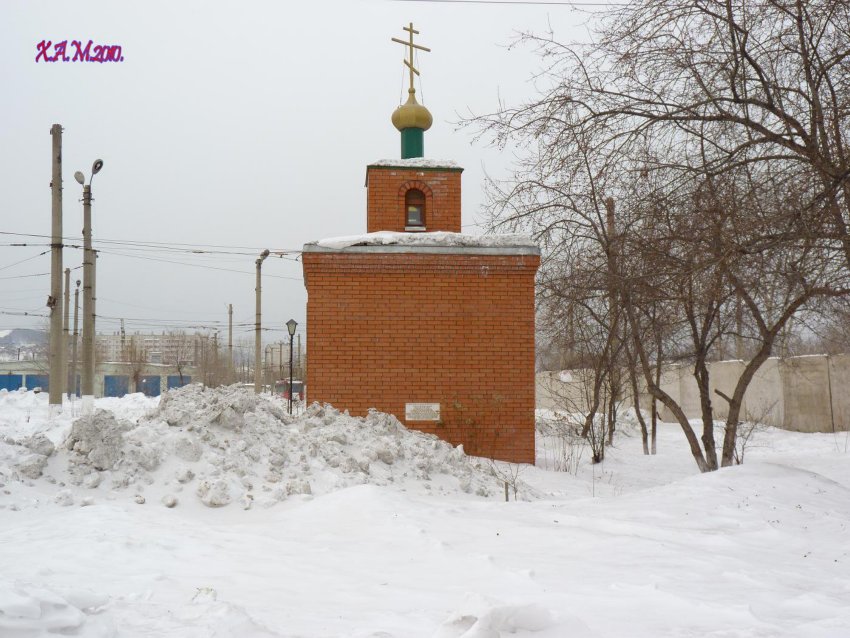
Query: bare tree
point(179, 353)
point(136, 356)
point(720, 130)
point(711, 86)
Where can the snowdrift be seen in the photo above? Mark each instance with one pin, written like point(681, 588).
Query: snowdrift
point(228, 446)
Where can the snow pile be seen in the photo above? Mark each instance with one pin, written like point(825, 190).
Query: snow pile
point(229, 445)
point(27, 610)
point(482, 617)
point(438, 239)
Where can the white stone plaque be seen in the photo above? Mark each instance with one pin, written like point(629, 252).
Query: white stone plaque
point(421, 411)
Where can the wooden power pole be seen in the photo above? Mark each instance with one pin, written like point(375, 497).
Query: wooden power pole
point(66, 340)
point(230, 343)
point(54, 301)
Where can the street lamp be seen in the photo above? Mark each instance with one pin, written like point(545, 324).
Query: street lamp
point(258, 374)
point(290, 326)
point(88, 289)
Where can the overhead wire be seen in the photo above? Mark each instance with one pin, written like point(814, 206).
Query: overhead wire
point(174, 246)
point(183, 263)
point(24, 260)
point(38, 274)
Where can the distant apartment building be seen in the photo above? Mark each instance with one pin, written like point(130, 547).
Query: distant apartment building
point(166, 348)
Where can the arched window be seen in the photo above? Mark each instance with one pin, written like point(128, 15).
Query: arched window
point(414, 205)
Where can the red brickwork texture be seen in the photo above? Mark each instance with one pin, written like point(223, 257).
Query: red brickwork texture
point(385, 198)
point(389, 329)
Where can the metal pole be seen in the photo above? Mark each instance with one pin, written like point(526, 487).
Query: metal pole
point(216, 379)
point(258, 374)
point(93, 346)
point(290, 373)
point(54, 301)
point(73, 382)
point(66, 342)
point(230, 378)
point(257, 324)
point(88, 312)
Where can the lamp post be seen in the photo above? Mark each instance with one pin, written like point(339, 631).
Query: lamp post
point(88, 285)
point(258, 373)
point(290, 326)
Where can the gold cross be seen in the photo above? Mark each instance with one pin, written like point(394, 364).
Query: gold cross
point(409, 64)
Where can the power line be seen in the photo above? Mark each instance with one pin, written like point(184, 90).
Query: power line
point(183, 263)
point(38, 274)
point(175, 246)
point(21, 314)
point(23, 260)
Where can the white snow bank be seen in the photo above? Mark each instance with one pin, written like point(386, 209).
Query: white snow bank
point(482, 617)
point(389, 238)
point(27, 611)
point(417, 162)
point(229, 445)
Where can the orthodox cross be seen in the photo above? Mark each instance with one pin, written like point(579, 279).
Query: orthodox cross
point(411, 46)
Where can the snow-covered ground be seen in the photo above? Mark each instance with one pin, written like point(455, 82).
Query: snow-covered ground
point(215, 514)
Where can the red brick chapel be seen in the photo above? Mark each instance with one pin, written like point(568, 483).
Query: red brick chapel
point(418, 320)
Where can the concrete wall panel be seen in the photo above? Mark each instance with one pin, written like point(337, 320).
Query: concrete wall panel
point(763, 400)
point(724, 376)
point(805, 394)
point(839, 381)
point(805, 387)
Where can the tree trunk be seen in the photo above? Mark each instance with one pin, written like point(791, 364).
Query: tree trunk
point(636, 400)
point(737, 400)
point(707, 413)
point(690, 435)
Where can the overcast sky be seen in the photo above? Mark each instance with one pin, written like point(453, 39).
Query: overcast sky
point(246, 125)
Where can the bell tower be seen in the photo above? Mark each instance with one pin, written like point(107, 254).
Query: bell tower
point(413, 194)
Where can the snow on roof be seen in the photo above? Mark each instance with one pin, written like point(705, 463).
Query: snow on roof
point(417, 162)
point(389, 238)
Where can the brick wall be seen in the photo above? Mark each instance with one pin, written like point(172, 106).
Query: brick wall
point(385, 197)
point(455, 329)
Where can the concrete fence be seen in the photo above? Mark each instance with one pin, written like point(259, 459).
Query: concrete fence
point(804, 394)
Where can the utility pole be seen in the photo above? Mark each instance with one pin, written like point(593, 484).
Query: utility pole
point(54, 301)
point(89, 257)
point(258, 363)
point(215, 366)
point(230, 378)
point(72, 383)
point(739, 328)
point(300, 369)
point(66, 341)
